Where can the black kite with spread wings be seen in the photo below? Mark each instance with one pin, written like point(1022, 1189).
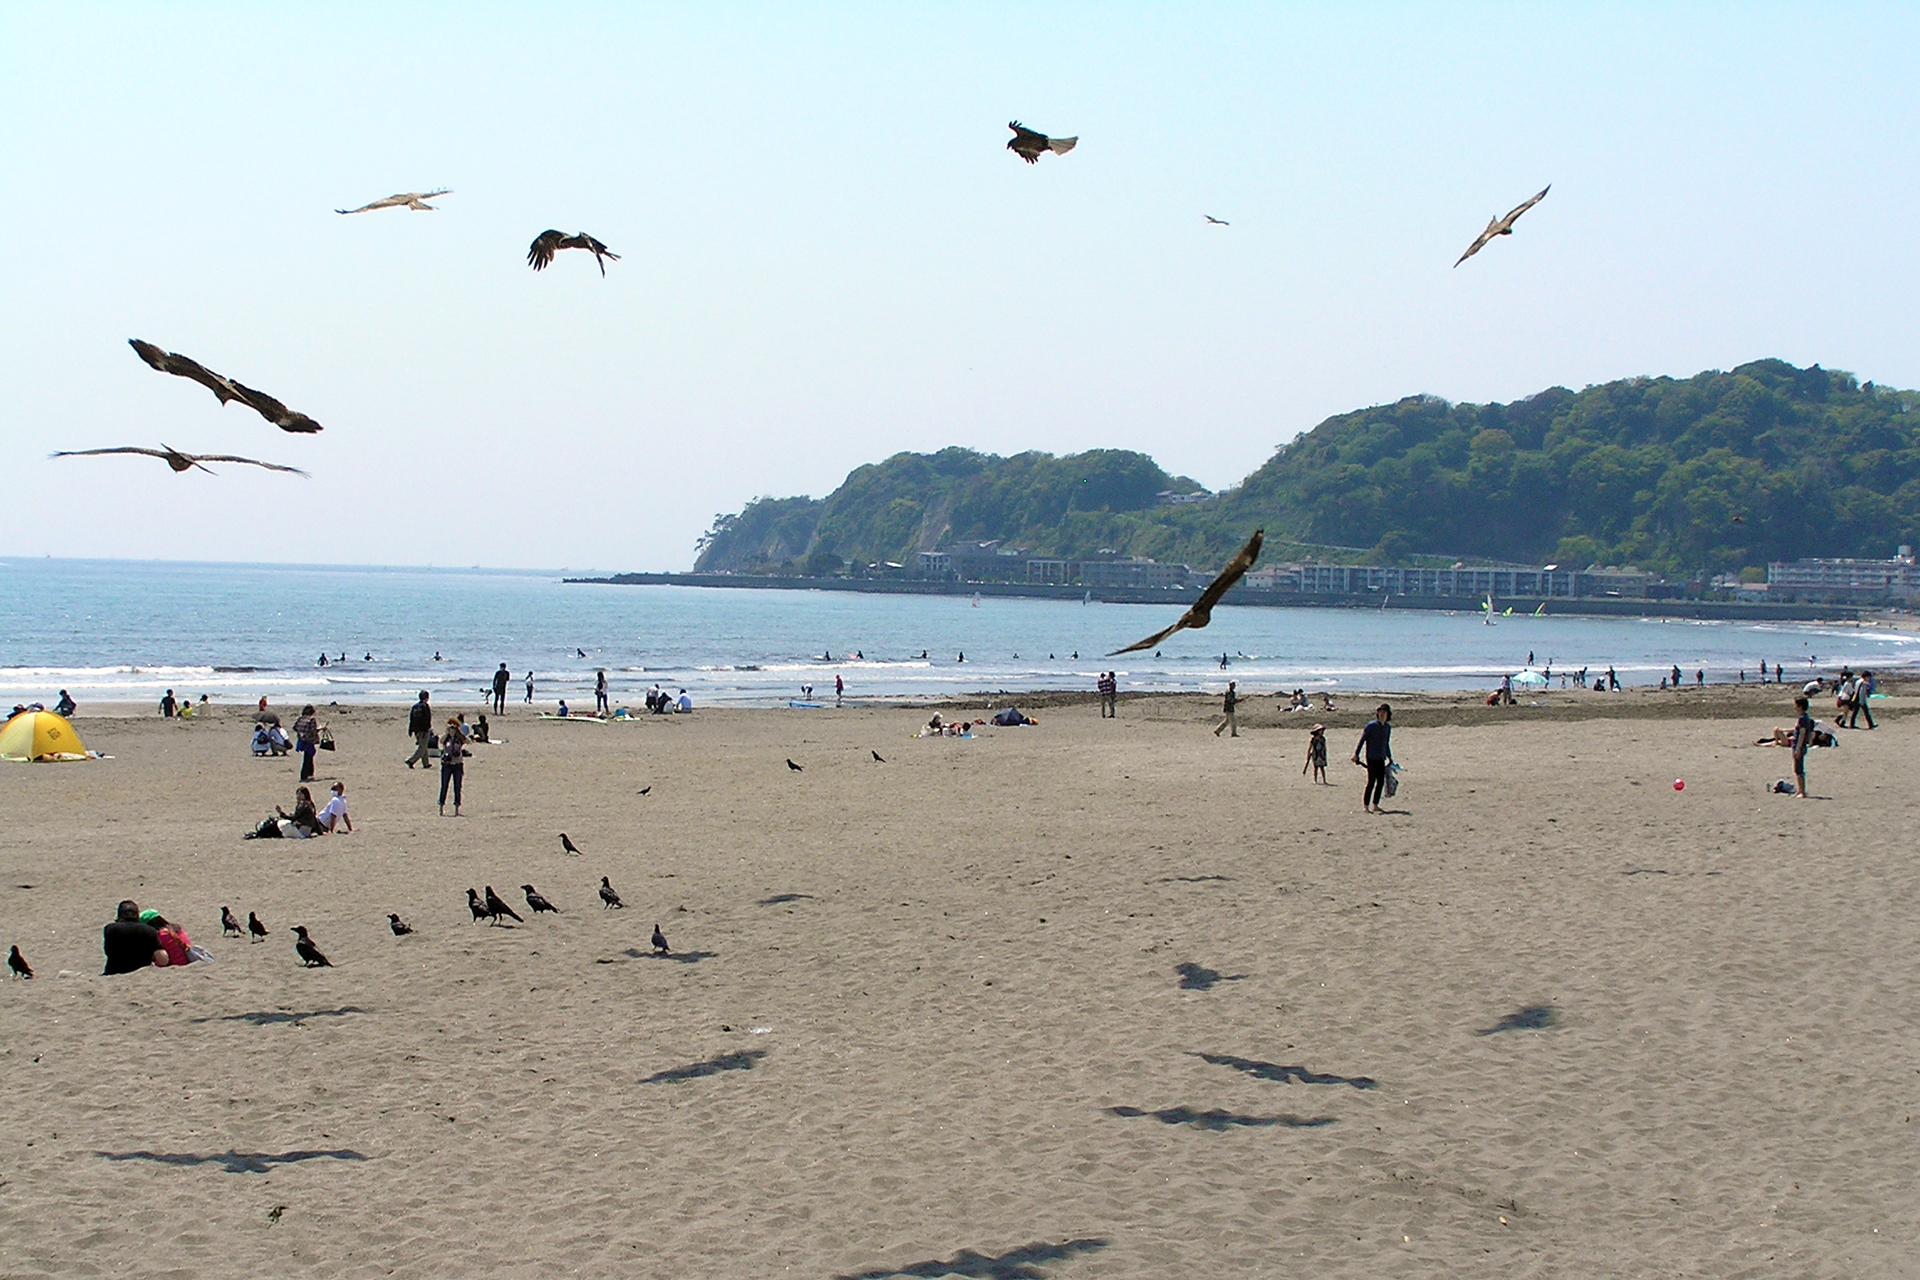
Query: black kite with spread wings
point(1028, 144)
point(225, 388)
point(547, 243)
point(177, 460)
point(1201, 613)
point(1502, 226)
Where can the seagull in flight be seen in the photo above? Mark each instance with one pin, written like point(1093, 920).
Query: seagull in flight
point(1502, 226)
point(547, 243)
point(403, 200)
point(1218, 222)
point(1028, 144)
point(177, 460)
point(1201, 612)
point(224, 387)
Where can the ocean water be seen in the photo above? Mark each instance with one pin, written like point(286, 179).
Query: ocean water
point(129, 630)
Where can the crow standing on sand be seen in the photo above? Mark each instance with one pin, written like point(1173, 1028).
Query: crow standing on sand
point(228, 925)
point(18, 963)
point(660, 946)
point(877, 758)
point(547, 243)
point(568, 844)
point(497, 907)
point(400, 927)
point(255, 928)
point(308, 952)
point(478, 907)
point(1502, 226)
point(537, 901)
point(608, 896)
point(1200, 613)
point(791, 765)
point(1030, 144)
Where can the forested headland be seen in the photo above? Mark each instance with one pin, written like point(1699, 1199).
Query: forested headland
point(1716, 473)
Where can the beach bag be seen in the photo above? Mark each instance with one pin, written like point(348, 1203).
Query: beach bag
point(326, 738)
point(197, 954)
point(269, 829)
point(1393, 780)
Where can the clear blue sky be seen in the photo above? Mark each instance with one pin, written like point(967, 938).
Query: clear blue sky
point(829, 256)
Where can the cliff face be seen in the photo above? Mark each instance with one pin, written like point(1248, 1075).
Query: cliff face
point(1719, 472)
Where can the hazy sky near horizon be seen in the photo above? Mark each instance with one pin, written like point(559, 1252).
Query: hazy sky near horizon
point(828, 256)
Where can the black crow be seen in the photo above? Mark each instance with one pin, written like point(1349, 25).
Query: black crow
point(660, 941)
point(1502, 226)
point(608, 896)
point(400, 927)
point(478, 907)
point(642, 791)
point(308, 952)
point(796, 768)
point(1218, 222)
point(537, 901)
point(18, 963)
point(1200, 613)
point(228, 925)
point(496, 907)
point(568, 844)
point(877, 758)
point(255, 928)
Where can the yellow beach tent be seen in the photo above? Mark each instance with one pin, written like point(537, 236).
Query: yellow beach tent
point(40, 735)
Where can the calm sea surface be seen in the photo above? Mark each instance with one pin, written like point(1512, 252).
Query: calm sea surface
point(127, 630)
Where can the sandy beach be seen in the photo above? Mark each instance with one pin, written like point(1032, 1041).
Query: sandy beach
point(1094, 998)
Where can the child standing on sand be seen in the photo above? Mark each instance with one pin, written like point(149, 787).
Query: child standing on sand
point(1317, 753)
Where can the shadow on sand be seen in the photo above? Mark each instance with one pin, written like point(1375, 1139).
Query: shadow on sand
point(1195, 977)
point(233, 1161)
point(779, 898)
point(1217, 1119)
point(738, 1060)
point(265, 1019)
point(1535, 1017)
point(684, 957)
point(1283, 1074)
point(1015, 1264)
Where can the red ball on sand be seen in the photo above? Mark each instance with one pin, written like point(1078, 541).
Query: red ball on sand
point(1679, 784)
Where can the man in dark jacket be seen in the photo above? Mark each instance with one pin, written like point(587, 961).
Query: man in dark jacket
point(129, 944)
point(420, 725)
point(500, 680)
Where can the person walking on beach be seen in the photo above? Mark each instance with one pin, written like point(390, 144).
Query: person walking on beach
point(306, 740)
point(420, 725)
point(1613, 681)
point(1802, 739)
point(1317, 753)
point(1228, 705)
point(1862, 690)
point(529, 688)
point(453, 765)
point(600, 692)
point(1377, 741)
point(501, 679)
point(1109, 690)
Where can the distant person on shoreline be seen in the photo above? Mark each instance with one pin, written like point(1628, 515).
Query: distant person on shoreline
point(1802, 739)
point(168, 706)
point(529, 688)
point(1229, 704)
point(66, 707)
point(1613, 681)
point(501, 679)
point(1862, 690)
point(1377, 741)
point(130, 944)
point(323, 660)
point(600, 693)
point(1109, 692)
point(420, 725)
point(839, 690)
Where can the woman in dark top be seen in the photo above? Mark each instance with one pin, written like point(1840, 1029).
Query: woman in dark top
point(306, 737)
point(304, 817)
point(1375, 741)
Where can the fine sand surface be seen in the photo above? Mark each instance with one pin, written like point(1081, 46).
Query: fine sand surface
point(1088, 999)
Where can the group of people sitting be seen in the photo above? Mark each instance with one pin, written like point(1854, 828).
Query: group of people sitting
point(271, 739)
point(939, 727)
point(305, 821)
point(662, 703)
point(1299, 701)
point(138, 939)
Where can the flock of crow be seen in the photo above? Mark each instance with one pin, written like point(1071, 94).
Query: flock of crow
point(1028, 144)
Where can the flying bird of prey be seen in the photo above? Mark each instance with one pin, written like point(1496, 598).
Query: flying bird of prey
point(877, 759)
point(497, 907)
point(308, 952)
point(400, 927)
point(403, 200)
point(537, 901)
point(1201, 612)
point(255, 928)
point(1028, 144)
point(547, 243)
point(1502, 226)
point(1218, 222)
point(608, 896)
point(177, 460)
point(225, 388)
point(228, 925)
point(18, 963)
point(660, 946)
point(478, 907)
point(183, 367)
point(568, 844)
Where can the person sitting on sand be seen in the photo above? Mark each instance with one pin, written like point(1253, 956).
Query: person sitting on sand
point(482, 732)
point(563, 706)
point(334, 816)
point(262, 742)
point(66, 707)
point(304, 821)
point(130, 944)
point(1326, 702)
point(685, 704)
point(173, 939)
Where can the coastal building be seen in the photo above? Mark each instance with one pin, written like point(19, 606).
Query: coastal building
point(1845, 579)
point(1549, 581)
point(1131, 572)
